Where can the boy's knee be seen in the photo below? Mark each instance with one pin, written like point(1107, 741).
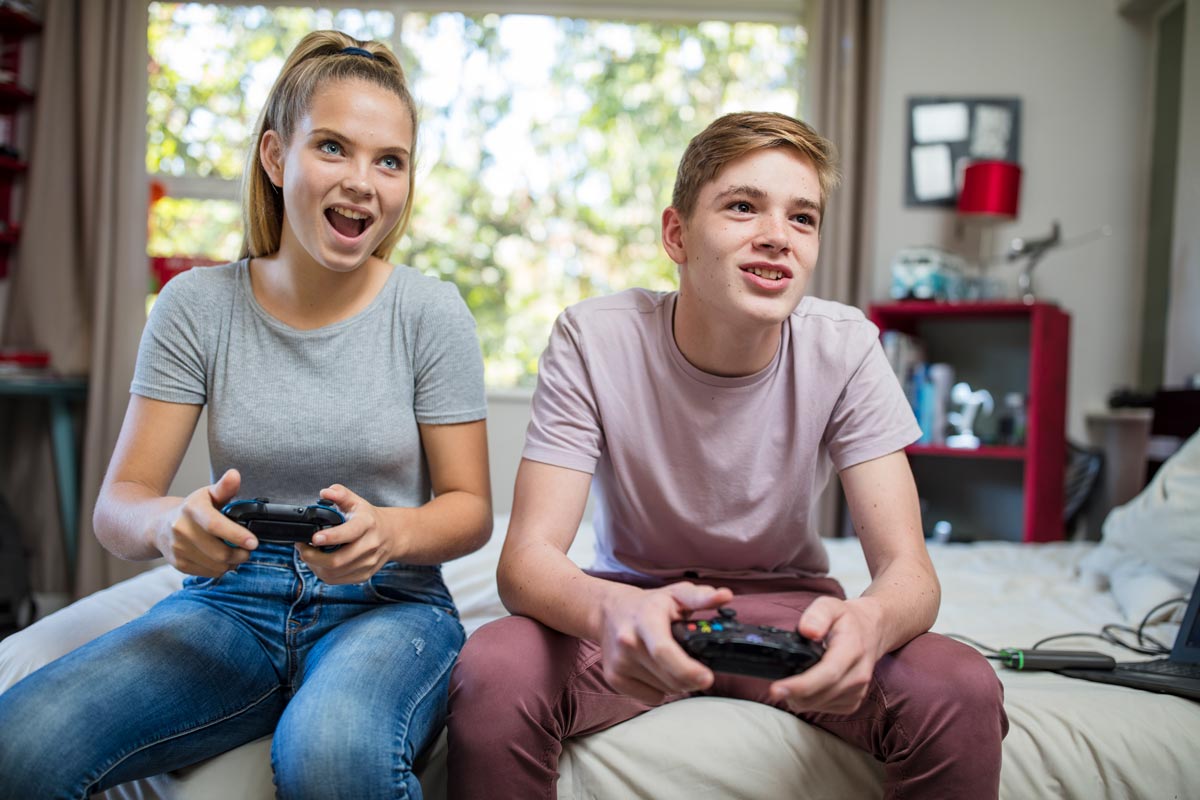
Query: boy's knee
point(962, 688)
point(505, 668)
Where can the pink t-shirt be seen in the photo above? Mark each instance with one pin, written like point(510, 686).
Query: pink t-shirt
point(695, 472)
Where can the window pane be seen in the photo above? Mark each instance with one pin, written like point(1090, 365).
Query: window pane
point(210, 229)
point(548, 150)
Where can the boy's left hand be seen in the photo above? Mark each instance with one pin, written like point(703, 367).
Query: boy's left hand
point(838, 683)
point(365, 546)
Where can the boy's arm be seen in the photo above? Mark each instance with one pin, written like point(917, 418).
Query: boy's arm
point(632, 625)
point(900, 603)
point(882, 498)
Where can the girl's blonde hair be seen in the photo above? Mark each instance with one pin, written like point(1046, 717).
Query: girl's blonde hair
point(320, 58)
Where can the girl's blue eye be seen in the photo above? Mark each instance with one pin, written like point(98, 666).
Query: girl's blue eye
point(391, 162)
point(332, 148)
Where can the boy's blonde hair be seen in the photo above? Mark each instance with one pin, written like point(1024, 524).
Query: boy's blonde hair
point(318, 59)
point(734, 135)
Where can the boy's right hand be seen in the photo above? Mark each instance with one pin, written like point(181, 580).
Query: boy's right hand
point(195, 539)
point(641, 657)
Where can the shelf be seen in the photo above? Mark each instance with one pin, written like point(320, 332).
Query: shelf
point(1007, 452)
point(1000, 492)
point(15, 23)
point(12, 95)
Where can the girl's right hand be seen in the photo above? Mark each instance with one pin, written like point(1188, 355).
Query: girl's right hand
point(195, 539)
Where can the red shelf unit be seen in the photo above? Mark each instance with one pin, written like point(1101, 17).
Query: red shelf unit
point(1001, 346)
point(14, 27)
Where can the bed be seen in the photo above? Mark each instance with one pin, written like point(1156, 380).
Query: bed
point(1068, 738)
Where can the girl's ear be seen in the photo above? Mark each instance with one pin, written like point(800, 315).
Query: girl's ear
point(672, 235)
point(270, 153)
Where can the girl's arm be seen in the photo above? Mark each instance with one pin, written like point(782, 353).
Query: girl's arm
point(136, 520)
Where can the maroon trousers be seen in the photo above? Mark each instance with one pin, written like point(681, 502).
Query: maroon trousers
point(934, 714)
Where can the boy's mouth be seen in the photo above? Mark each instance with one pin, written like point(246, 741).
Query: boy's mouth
point(348, 222)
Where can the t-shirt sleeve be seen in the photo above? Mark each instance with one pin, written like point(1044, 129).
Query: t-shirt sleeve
point(564, 427)
point(447, 363)
point(872, 417)
point(170, 361)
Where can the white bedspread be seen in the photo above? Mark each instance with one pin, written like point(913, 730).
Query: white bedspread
point(1069, 739)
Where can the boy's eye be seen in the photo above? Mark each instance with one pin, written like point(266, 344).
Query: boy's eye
point(804, 219)
point(742, 207)
point(332, 148)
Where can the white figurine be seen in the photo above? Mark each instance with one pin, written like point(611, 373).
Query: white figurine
point(964, 420)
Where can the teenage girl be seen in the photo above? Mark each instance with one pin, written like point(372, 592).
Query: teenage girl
point(328, 373)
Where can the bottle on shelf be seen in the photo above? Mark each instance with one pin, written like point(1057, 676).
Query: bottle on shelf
point(1012, 420)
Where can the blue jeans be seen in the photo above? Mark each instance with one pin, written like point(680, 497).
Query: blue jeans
point(351, 679)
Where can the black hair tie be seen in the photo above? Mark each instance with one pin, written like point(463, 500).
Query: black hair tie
point(356, 51)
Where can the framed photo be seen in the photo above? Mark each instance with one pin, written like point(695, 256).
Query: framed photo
point(947, 133)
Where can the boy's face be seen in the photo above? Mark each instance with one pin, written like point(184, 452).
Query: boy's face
point(751, 243)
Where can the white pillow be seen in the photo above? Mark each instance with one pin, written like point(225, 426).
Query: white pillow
point(1150, 549)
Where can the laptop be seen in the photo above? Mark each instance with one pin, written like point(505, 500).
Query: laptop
point(1178, 674)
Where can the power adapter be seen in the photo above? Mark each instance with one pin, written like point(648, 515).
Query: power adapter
point(1015, 658)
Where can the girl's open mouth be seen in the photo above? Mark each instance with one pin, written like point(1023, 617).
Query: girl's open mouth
point(348, 222)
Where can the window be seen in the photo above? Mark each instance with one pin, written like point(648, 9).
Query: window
point(547, 150)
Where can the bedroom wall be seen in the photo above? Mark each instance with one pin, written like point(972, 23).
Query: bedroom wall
point(1083, 74)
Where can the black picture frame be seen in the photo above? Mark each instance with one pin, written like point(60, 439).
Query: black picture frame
point(976, 133)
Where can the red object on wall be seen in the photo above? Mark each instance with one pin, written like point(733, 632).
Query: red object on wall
point(163, 268)
point(990, 189)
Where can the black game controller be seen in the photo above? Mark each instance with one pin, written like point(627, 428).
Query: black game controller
point(726, 645)
point(279, 522)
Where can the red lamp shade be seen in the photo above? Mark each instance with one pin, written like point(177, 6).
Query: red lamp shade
point(990, 189)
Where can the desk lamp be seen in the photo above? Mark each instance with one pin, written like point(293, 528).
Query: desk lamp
point(989, 196)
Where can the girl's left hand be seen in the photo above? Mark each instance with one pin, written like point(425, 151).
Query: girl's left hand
point(365, 545)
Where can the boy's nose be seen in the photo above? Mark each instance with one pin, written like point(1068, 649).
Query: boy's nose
point(772, 233)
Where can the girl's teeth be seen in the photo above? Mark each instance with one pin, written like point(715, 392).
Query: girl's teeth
point(345, 212)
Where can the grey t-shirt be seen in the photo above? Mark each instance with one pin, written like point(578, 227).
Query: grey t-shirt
point(295, 411)
point(699, 472)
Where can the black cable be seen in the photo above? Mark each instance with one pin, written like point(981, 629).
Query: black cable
point(1173, 601)
point(1155, 648)
point(1072, 635)
point(975, 644)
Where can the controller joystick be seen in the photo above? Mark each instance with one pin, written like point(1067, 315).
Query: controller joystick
point(726, 645)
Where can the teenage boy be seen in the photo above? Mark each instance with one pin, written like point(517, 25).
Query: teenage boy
point(707, 421)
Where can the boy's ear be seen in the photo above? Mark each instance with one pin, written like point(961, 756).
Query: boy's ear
point(270, 153)
point(672, 235)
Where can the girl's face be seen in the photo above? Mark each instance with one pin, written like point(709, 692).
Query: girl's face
point(344, 175)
